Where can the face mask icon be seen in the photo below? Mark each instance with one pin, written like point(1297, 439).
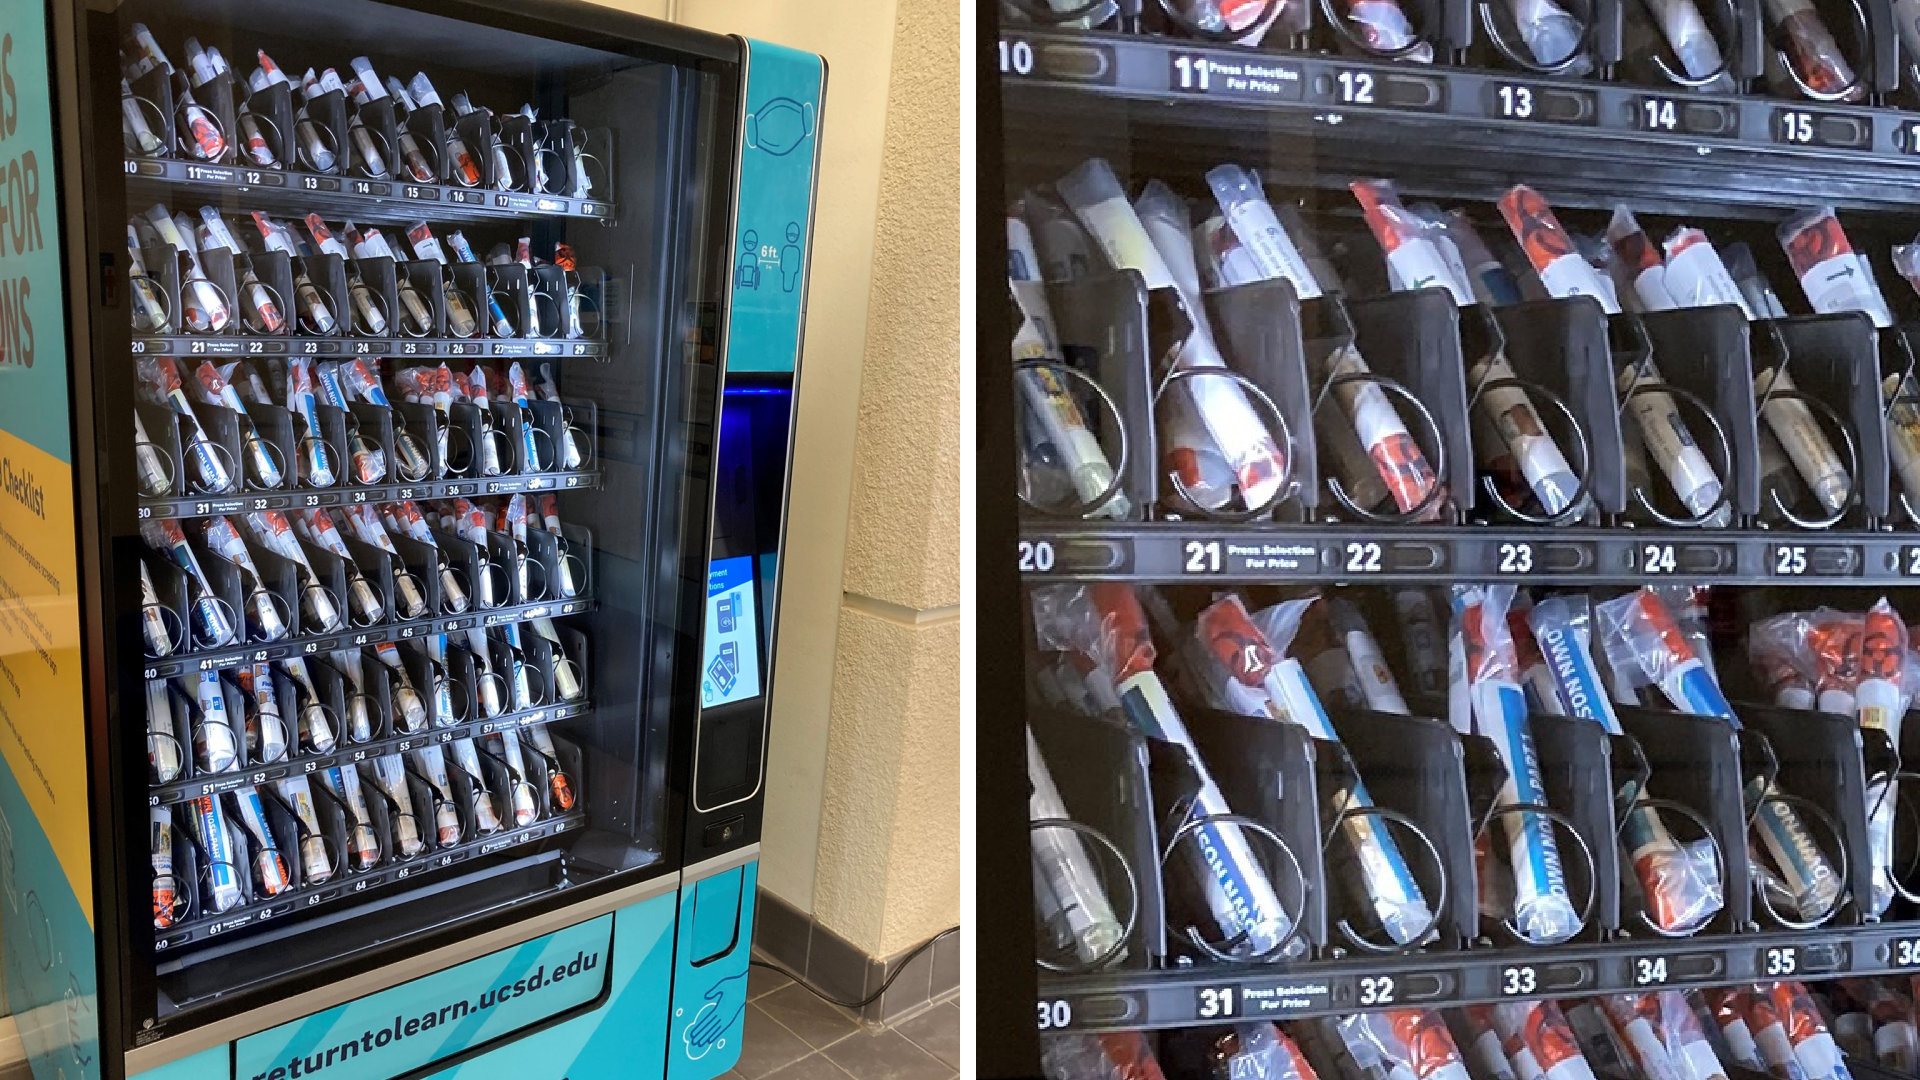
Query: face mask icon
point(780, 126)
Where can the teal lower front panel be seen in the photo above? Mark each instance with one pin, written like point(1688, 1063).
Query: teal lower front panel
point(710, 973)
point(402, 1030)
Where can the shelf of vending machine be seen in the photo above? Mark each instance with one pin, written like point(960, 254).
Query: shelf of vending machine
point(1125, 1001)
point(1347, 552)
point(209, 506)
point(363, 199)
point(311, 764)
point(256, 345)
point(1753, 149)
point(354, 884)
point(309, 645)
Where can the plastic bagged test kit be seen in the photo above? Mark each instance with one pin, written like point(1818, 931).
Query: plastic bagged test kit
point(1662, 1036)
point(1642, 637)
point(1396, 1044)
point(1072, 904)
point(1813, 58)
point(1105, 628)
point(1543, 911)
point(1217, 444)
point(1551, 250)
point(1242, 664)
point(1834, 276)
point(1050, 409)
point(1120, 1055)
point(1680, 894)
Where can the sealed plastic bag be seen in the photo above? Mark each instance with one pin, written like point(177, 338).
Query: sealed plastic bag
point(1663, 1037)
point(1695, 275)
point(1104, 628)
point(1637, 261)
point(1243, 665)
point(1050, 406)
point(1209, 418)
point(1071, 904)
point(1641, 634)
point(1543, 911)
point(1119, 1055)
point(1815, 58)
point(1834, 276)
point(1680, 894)
point(1398, 1044)
point(1680, 22)
point(1806, 444)
point(1814, 1049)
point(1539, 1043)
point(1260, 234)
point(1551, 250)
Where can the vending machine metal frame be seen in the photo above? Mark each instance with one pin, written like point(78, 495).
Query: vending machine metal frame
point(677, 933)
point(1666, 151)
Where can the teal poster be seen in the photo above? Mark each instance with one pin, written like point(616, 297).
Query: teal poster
point(773, 225)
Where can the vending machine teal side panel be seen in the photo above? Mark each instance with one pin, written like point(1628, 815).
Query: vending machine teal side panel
point(773, 224)
point(213, 1064)
point(46, 857)
point(710, 973)
point(586, 1001)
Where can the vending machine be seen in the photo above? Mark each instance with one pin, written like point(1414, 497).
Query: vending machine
point(1463, 479)
point(395, 412)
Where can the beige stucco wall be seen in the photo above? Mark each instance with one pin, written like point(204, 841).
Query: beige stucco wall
point(889, 871)
point(862, 819)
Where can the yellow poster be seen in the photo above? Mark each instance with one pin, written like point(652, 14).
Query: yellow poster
point(40, 651)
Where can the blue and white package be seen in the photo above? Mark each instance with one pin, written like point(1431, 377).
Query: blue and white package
point(1543, 911)
point(223, 874)
point(1639, 633)
point(1104, 626)
point(1238, 658)
point(1680, 895)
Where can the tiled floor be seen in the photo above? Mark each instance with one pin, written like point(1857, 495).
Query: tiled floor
point(792, 1035)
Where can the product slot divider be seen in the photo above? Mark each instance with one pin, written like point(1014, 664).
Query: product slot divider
point(1704, 353)
point(380, 275)
point(1578, 771)
point(217, 263)
point(280, 578)
point(476, 130)
point(1696, 761)
point(515, 132)
point(1419, 767)
point(164, 272)
point(329, 111)
point(1260, 334)
point(163, 433)
point(275, 104)
point(375, 425)
point(1100, 767)
point(156, 87)
point(1102, 322)
point(1266, 769)
point(377, 116)
point(328, 275)
point(1822, 759)
point(425, 277)
point(1412, 338)
point(1560, 346)
point(1835, 359)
